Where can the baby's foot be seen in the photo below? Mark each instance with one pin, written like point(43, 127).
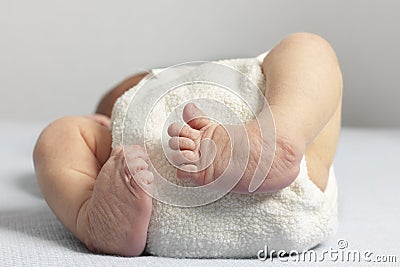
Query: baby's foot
point(239, 151)
point(118, 212)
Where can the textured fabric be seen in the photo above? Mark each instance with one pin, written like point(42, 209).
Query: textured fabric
point(368, 177)
point(298, 217)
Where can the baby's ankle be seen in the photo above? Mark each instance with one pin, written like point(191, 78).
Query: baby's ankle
point(285, 166)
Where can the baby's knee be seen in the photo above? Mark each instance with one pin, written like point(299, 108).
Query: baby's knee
point(309, 44)
point(68, 122)
point(61, 125)
point(54, 133)
point(308, 40)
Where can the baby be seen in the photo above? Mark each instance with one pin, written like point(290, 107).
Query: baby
point(101, 198)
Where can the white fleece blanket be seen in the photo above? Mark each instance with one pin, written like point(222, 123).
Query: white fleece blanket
point(236, 226)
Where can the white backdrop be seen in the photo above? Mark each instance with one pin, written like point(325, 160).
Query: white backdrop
point(58, 57)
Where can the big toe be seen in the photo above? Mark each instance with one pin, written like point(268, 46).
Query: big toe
point(194, 117)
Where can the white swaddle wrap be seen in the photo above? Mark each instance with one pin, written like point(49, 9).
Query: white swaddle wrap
point(297, 217)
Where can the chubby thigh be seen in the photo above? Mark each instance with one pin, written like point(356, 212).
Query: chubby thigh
point(68, 157)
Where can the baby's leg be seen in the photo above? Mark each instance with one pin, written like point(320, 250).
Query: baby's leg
point(89, 187)
point(303, 88)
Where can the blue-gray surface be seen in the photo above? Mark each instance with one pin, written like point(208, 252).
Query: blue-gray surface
point(367, 168)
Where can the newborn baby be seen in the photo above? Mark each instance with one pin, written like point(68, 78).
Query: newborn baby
point(103, 199)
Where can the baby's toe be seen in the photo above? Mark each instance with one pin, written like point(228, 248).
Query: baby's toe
point(137, 164)
point(142, 183)
point(195, 117)
point(184, 157)
point(181, 143)
point(183, 130)
point(144, 177)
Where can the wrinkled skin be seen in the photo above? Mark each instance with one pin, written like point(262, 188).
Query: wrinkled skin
point(119, 211)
